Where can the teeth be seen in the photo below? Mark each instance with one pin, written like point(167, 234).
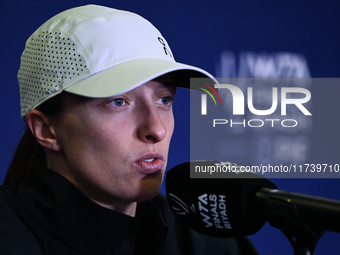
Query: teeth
point(149, 160)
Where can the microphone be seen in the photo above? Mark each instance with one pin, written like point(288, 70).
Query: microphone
point(216, 207)
point(241, 203)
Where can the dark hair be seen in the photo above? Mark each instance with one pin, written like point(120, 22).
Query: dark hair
point(29, 155)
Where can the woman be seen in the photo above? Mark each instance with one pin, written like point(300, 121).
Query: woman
point(96, 87)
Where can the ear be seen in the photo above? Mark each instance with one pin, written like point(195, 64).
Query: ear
point(42, 129)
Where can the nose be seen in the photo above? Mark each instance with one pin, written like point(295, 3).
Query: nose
point(152, 127)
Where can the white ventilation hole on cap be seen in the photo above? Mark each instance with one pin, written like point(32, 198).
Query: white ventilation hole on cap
point(48, 64)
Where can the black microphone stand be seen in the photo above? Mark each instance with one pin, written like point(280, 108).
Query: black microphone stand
point(283, 214)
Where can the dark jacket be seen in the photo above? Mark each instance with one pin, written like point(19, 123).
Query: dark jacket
point(51, 216)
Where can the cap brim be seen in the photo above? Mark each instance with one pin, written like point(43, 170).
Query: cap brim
point(128, 75)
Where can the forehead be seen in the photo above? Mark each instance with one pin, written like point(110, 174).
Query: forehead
point(167, 80)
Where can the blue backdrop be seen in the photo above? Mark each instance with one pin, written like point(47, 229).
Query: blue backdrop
point(203, 33)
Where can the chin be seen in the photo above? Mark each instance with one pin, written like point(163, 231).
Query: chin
point(149, 188)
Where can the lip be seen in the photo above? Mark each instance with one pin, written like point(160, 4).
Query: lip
point(150, 167)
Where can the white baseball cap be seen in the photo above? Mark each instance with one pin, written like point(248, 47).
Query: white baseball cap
point(97, 52)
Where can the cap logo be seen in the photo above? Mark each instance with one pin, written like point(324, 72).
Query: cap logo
point(167, 52)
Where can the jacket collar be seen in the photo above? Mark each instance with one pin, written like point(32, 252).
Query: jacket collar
point(68, 215)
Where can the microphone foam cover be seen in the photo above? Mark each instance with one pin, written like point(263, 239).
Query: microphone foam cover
point(216, 207)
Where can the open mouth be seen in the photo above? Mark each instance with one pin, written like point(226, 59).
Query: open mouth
point(149, 159)
point(150, 163)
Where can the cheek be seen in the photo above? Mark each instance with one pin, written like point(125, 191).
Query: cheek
point(100, 142)
point(171, 129)
point(75, 135)
point(171, 124)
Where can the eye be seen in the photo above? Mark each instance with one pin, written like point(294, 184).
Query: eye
point(118, 102)
point(165, 100)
